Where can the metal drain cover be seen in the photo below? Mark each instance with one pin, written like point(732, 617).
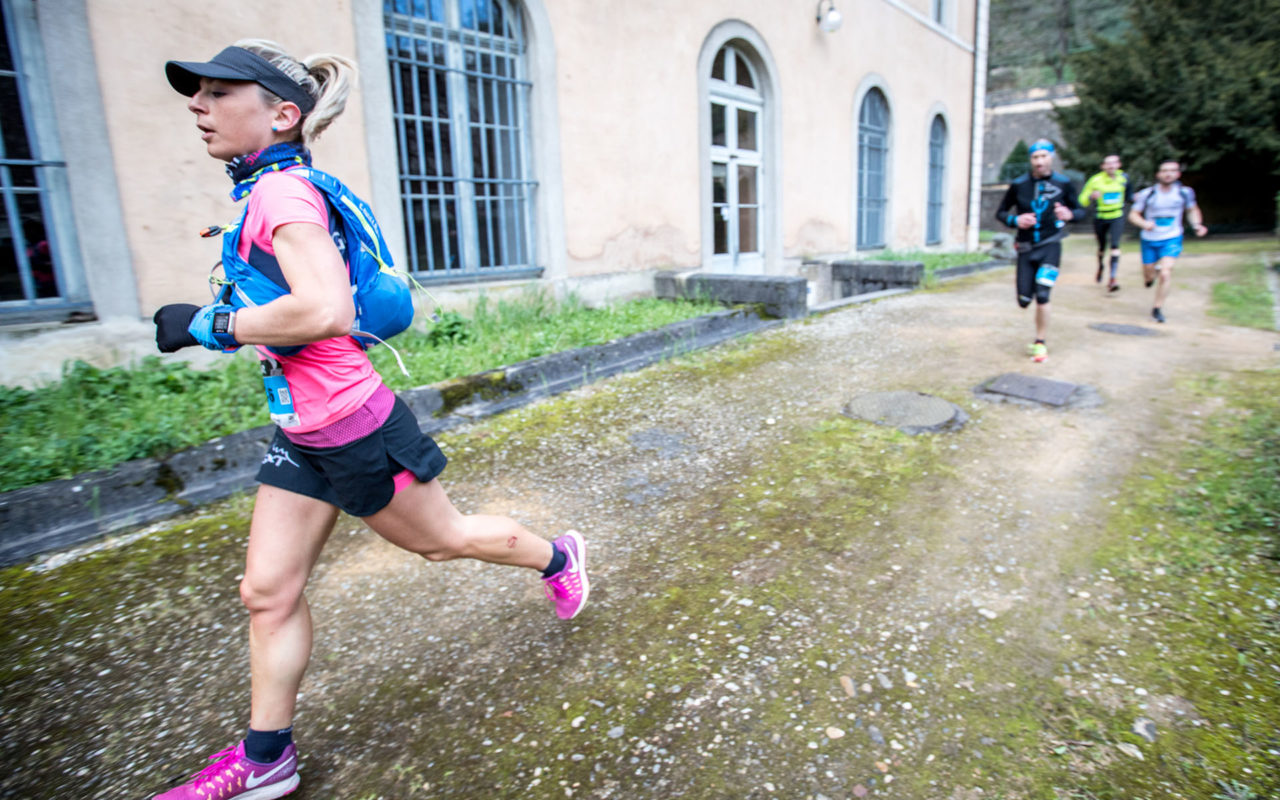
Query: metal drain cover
point(909, 412)
point(1026, 387)
point(1124, 330)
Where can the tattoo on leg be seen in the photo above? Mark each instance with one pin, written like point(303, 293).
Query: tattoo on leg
point(511, 543)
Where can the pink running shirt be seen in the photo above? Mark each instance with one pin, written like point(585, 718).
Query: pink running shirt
point(330, 379)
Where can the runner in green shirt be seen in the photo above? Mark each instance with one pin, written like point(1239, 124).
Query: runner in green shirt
point(1109, 190)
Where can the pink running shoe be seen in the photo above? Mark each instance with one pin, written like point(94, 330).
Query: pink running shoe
point(569, 587)
point(231, 775)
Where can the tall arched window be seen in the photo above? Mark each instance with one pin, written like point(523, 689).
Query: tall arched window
point(873, 165)
point(39, 271)
point(736, 106)
point(937, 171)
point(461, 98)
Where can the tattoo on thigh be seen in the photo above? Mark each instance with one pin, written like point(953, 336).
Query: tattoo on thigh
point(511, 543)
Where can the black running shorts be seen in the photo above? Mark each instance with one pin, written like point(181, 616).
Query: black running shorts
point(1046, 255)
point(356, 477)
point(1108, 228)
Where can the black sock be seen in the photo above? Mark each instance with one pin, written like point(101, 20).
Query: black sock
point(558, 559)
point(1039, 341)
point(264, 747)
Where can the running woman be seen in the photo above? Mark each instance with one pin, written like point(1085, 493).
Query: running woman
point(351, 444)
point(1039, 205)
point(1158, 211)
point(1110, 190)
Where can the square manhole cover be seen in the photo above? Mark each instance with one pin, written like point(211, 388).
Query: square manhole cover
point(1026, 387)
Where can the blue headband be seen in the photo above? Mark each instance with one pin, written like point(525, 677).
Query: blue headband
point(1041, 144)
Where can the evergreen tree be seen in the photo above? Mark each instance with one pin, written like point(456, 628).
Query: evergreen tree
point(1017, 162)
point(1194, 81)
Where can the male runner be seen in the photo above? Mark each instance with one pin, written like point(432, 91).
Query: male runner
point(1158, 211)
point(1039, 204)
point(1110, 190)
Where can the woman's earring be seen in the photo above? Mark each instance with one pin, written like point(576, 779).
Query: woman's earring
point(274, 129)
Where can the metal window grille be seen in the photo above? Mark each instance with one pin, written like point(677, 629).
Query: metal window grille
point(873, 161)
point(461, 115)
point(937, 168)
point(30, 274)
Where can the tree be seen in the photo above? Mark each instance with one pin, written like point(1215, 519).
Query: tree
point(1016, 163)
point(1035, 36)
point(1193, 81)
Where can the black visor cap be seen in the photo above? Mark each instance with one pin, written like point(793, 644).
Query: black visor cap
point(237, 64)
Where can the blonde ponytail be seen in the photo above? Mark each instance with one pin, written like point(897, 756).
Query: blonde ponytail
point(326, 77)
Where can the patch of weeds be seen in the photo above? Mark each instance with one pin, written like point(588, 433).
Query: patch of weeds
point(1244, 299)
point(96, 418)
point(934, 261)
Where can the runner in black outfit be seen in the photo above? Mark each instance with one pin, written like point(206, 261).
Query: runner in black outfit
point(1039, 204)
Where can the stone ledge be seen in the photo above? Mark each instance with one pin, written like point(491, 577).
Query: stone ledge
point(780, 296)
point(66, 512)
point(950, 273)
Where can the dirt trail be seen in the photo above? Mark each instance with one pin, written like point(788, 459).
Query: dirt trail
point(729, 598)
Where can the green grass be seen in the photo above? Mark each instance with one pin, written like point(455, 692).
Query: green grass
point(1245, 299)
point(94, 418)
point(933, 261)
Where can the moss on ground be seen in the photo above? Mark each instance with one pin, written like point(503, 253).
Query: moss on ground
point(1172, 623)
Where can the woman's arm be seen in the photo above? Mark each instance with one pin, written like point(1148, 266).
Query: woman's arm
point(319, 305)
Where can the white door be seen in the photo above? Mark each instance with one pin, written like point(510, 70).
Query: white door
point(736, 110)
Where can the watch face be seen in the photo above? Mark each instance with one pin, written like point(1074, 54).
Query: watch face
point(221, 321)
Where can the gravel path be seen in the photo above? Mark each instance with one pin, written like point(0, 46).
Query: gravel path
point(786, 603)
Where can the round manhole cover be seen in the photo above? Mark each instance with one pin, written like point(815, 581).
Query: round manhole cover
point(1123, 330)
point(910, 412)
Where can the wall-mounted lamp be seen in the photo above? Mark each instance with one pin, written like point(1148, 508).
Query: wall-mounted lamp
point(829, 20)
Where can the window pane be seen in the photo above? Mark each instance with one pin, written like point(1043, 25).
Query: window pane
point(15, 131)
point(720, 211)
point(717, 125)
point(717, 66)
point(39, 258)
point(742, 75)
point(747, 234)
point(475, 13)
point(746, 129)
point(719, 183)
point(10, 278)
point(747, 194)
point(6, 57)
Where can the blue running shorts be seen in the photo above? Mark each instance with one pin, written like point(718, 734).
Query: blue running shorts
point(1165, 248)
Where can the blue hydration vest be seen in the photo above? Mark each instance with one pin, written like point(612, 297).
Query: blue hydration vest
point(384, 304)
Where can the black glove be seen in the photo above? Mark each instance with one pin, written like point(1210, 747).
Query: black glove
point(171, 327)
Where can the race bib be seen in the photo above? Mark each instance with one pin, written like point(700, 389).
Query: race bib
point(1047, 276)
point(279, 398)
point(1111, 197)
point(1165, 222)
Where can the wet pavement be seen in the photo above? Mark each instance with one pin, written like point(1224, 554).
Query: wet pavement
point(786, 602)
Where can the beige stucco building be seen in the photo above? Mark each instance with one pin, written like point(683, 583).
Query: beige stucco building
point(578, 144)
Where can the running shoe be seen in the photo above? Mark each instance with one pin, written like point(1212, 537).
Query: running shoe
point(1157, 315)
point(1037, 351)
point(1113, 286)
point(231, 776)
point(569, 587)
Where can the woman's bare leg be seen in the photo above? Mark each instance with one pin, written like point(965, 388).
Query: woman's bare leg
point(422, 520)
point(285, 538)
